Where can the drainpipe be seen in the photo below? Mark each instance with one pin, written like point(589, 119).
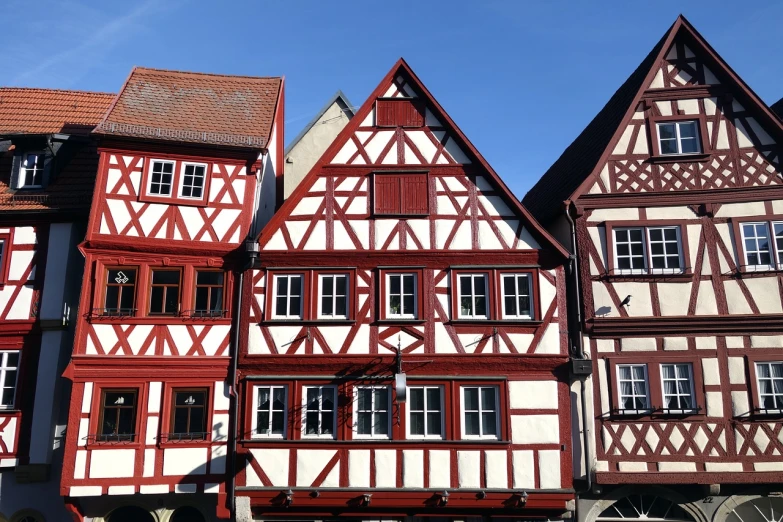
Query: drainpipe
point(580, 353)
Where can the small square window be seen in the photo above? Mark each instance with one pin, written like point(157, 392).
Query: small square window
point(677, 380)
point(270, 412)
point(629, 250)
point(333, 302)
point(758, 249)
point(769, 378)
point(164, 292)
point(517, 289)
point(193, 177)
point(209, 293)
point(633, 388)
point(118, 416)
point(679, 137)
point(9, 375)
point(401, 298)
point(372, 412)
point(480, 412)
point(425, 412)
point(287, 296)
point(120, 297)
point(189, 415)
point(472, 296)
point(31, 171)
point(161, 177)
point(319, 413)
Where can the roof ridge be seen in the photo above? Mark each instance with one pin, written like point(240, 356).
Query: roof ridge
point(195, 73)
point(70, 91)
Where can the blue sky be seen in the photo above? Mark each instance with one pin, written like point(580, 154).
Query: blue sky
point(521, 79)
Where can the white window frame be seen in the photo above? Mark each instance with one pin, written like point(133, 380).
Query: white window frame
point(334, 277)
point(404, 314)
point(627, 271)
point(180, 191)
point(774, 251)
point(274, 314)
point(772, 384)
point(408, 411)
point(647, 255)
point(473, 277)
point(22, 174)
point(254, 417)
point(4, 367)
point(517, 295)
point(648, 249)
point(648, 402)
point(320, 411)
point(481, 435)
point(678, 139)
point(151, 166)
point(373, 435)
point(676, 379)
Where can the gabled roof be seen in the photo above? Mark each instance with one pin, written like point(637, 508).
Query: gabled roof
point(777, 108)
point(194, 108)
point(546, 240)
point(50, 111)
point(565, 178)
point(340, 99)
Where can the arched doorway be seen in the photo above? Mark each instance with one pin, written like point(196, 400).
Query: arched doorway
point(186, 514)
point(650, 508)
point(130, 514)
point(754, 509)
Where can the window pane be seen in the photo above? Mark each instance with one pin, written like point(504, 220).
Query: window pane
point(510, 304)
point(10, 378)
point(417, 423)
point(364, 423)
point(112, 297)
point(466, 306)
point(408, 284)
point(326, 305)
point(296, 285)
point(126, 426)
point(326, 286)
point(341, 284)
point(262, 422)
point(381, 398)
point(688, 130)
point(340, 306)
point(216, 299)
point(165, 277)
point(197, 420)
point(311, 423)
point(172, 300)
point(12, 360)
point(471, 398)
point(479, 285)
point(312, 398)
point(381, 423)
point(481, 306)
point(487, 398)
point(433, 399)
point(472, 423)
point(416, 400)
point(209, 278)
point(121, 276)
point(365, 398)
point(433, 423)
point(180, 420)
point(282, 286)
point(394, 305)
point(490, 423)
point(408, 304)
point(327, 399)
point(294, 307)
point(667, 131)
point(394, 284)
point(508, 285)
point(263, 398)
point(280, 306)
point(278, 423)
point(278, 398)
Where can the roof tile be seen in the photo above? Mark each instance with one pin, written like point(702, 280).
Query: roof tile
point(49, 111)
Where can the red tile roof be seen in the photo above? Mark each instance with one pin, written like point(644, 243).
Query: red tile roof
point(194, 108)
point(49, 111)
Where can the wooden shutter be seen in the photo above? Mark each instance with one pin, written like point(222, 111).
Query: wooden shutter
point(387, 194)
point(414, 194)
point(399, 112)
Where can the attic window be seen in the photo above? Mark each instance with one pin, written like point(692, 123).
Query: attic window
point(399, 112)
point(401, 194)
point(31, 171)
point(679, 137)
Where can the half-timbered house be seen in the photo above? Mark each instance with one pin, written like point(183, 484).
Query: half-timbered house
point(189, 164)
point(47, 170)
point(406, 340)
point(672, 198)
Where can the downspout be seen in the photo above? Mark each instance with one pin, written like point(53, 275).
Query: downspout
point(251, 255)
point(580, 353)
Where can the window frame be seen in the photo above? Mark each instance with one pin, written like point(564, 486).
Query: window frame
point(172, 185)
point(150, 285)
point(223, 305)
point(304, 387)
point(181, 185)
point(462, 386)
point(6, 250)
point(760, 356)
point(488, 295)
point(254, 394)
point(739, 240)
point(273, 296)
point(320, 276)
point(3, 369)
point(171, 391)
point(105, 289)
point(99, 396)
point(611, 251)
point(691, 380)
point(701, 124)
point(678, 138)
point(531, 297)
point(23, 170)
point(179, 162)
point(355, 412)
point(425, 386)
point(384, 300)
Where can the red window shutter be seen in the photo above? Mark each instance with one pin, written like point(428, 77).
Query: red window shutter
point(414, 194)
point(399, 112)
point(387, 194)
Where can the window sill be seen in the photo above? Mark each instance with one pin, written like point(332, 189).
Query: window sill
point(173, 200)
point(434, 442)
point(655, 415)
point(307, 322)
point(180, 443)
point(113, 443)
point(401, 321)
point(155, 319)
point(702, 157)
point(648, 277)
point(518, 322)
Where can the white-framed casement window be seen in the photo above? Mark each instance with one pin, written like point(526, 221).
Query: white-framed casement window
point(161, 178)
point(677, 387)
point(372, 412)
point(633, 388)
point(760, 252)
point(480, 419)
point(269, 420)
point(319, 414)
point(333, 296)
point(425, 412)
point(287, 296)
point(9, 376)
point(31, 171)
point(193, 178)
point(769, 378)
point(517, 291)
point(643, 250)
point(679, 137)
point(472, 296)
point(401, 298)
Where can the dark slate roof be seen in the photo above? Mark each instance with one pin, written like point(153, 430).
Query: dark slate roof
point(545, 199)
point(194, 108)
point(340, 99)
point(777, 108)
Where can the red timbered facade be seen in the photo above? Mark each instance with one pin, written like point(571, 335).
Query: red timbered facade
point(402, 252)
point(673, 195)
point(177, 193)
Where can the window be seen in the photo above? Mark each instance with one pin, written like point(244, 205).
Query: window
point(334, 296)
point(193, 176)
point(209, 293)
point(679, 137)
point(480, 412)
point(632, 381)
point(401, 194)
point(120, 298)
point(31, 171)
point(399, 112)
point(118, 415)
point(288, 296)
point(164, 294)
point(677, 382)
point(472, 296)
point(161, 178)
point(270, 411)
point(372, 409)
point(757, 247)
point(319, 411)
point(653, 249)
point(189, 415)
point(516, 296)
point(769, 376)
point(425, 412)
point(401, 299)
point(9, 373)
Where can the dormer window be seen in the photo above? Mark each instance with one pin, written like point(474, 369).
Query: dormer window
point(31, 171)
point(678, 137)
point(161, 178)
point(193, 175)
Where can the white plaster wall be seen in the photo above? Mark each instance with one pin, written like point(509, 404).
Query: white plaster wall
point(184, 461)
point(112, 463)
